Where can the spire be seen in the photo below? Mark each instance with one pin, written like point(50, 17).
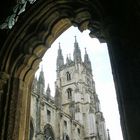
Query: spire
point(41, 77)
point(60, 60)
point(41, 82)
point(75, 39)
point(48, 92)
point(77, 52)
point(108, 135)
point(87, 60)
point(68, 59)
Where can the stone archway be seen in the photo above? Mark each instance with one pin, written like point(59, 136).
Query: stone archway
point(26, 48)
point(36, 29)
point(65, 136)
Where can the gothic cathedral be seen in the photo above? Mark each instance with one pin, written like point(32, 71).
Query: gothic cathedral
point(74, 113)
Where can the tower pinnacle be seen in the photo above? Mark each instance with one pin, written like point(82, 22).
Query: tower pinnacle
point(48, 91)
point(41, 76)
point(75, 38)
point(77, 52)
point(41, 81)
point(59, 46)
point(87, 60)
point(60, 60)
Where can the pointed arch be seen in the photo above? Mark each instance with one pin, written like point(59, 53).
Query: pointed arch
point(69, 92)
point(65, 137)
point(48, 132)
point(68, 76)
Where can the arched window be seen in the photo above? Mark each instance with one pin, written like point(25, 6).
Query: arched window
point(31, 130)
point(68, 76)
point(69, 91)
point(48, 132)
point(66, 137)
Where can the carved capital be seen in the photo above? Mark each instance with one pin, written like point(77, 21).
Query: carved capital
point(96, 31)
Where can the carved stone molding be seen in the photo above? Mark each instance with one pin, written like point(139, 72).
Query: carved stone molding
point(96, 31)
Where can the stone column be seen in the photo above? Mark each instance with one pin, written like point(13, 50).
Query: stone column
point(3, 102)
point(124, 50)
point(16, 113)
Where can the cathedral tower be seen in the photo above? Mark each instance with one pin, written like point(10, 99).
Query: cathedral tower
point(78, 95)
point(74, 113)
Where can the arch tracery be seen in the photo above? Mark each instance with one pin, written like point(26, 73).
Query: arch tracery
point(48, 132)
